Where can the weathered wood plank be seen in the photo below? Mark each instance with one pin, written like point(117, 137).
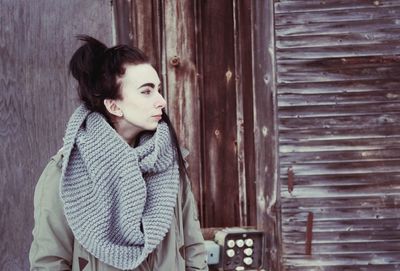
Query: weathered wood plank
point(363, 178)
point(366, 121)
point(124, 31)
point(246, 77)
point(342, 99)
point(334, 28)
point(219, 114)
point(37, 39)
point(355, 259)
point(294, 6)
point(335, 159)
point(331, 249)
point(143, 34)
point(379, 212)
point(187, 42)
point(366, 14)
point(363, 201)
point(350, 267)
point(338, 109)
point(265, 130)
point(337, 39)
point(350, 86)
point(244, 112)
point(183, 89)
point(340, 72)
point(240, 140)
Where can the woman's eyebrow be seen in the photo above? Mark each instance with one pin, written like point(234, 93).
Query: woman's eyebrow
point(149, 85)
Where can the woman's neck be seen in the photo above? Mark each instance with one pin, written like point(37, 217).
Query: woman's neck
point(127, 131)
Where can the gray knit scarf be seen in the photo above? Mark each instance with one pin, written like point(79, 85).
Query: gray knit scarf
point(118, 200)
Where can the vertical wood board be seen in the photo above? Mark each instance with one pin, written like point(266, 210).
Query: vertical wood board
point(265, 130)
point(219, 114)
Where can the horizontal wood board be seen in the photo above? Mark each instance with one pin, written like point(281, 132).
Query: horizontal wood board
point(338, 94)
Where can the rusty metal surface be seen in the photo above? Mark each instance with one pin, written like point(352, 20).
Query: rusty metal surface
point(338, 108)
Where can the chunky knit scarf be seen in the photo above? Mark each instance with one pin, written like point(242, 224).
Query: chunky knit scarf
point(118, 200)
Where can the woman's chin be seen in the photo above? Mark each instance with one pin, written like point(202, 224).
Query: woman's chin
point(152, 127)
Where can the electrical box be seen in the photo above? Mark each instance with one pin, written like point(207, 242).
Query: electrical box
point(240, 249)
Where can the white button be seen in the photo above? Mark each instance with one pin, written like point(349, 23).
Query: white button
point(239, 268)
point(230, 253)
point(249, 242)
point(248, 251)
point(240, 242)
point(230, 243)
point(248, 260)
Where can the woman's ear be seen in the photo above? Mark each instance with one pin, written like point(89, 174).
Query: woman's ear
point(113, 108)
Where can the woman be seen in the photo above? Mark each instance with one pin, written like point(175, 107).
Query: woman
point(116, 196)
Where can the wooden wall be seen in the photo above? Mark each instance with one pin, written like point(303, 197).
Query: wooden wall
point(36, 99)
point(265, 131)
point(289, 109)
point(203, 52)
point(338, 93)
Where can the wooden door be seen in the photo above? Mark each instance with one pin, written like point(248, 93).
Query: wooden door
point(203, 51)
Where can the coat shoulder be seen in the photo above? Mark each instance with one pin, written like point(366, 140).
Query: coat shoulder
point(50, 177)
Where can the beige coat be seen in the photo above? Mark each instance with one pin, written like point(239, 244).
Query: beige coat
point(55, 248)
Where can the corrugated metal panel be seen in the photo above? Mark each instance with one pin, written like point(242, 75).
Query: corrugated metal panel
point(339, 112)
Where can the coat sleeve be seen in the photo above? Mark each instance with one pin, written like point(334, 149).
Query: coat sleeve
point(52, 245)
point(195, 253)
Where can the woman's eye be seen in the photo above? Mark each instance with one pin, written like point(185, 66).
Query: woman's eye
point(146, 91)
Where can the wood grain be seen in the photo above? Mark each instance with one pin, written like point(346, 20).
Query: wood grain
point(37, 97)
point(338, 109)
point(265, 130)
point(219, 114)
point(183, 86)
point(209, 94)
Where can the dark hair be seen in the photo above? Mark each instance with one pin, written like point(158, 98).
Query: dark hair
point(97, 70)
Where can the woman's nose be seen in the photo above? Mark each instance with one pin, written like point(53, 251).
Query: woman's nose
point(160, 102)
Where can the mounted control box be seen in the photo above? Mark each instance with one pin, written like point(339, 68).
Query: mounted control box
point(240, 249)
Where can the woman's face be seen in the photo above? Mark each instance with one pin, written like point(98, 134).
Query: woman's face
point(141, 102)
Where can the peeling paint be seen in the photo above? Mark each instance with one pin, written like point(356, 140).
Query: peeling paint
point(264, 131)
point(228, 76)
point(392, 96)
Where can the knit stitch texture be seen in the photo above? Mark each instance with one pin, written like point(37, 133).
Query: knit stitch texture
point(111, 190)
